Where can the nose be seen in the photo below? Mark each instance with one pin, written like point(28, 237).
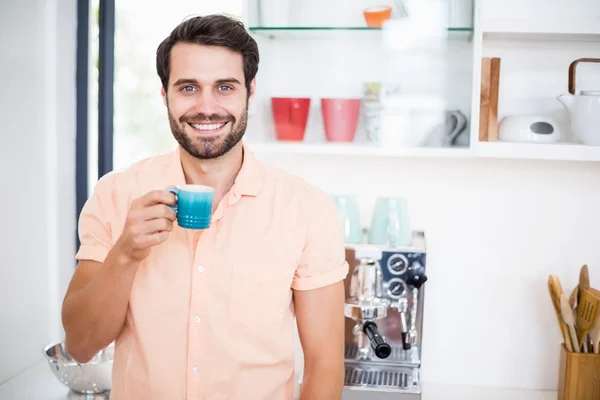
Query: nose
point(206, 103)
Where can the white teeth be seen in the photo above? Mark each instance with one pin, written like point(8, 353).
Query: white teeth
point(207, 127)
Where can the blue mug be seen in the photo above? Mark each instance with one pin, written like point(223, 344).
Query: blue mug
point(390, 224)
point(194, 206)
point(347, 208)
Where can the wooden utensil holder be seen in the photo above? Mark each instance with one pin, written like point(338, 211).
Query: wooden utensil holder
point(578, 376)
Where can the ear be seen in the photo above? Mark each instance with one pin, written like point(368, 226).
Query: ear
point(252, 91)
point(164, 95)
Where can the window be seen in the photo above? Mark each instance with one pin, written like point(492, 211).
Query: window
point(139, 121)
point(134, 118)
point(141, 127)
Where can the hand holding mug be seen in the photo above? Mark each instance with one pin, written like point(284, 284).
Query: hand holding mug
point(148, 223)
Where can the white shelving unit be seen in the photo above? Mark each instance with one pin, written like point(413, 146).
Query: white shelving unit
point(487, 28)
point(543, 29)
point(529, 151)
point(556, 37)
point(482, 150)
point(346, 33)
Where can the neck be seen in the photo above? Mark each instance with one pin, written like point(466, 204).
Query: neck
point(218, 173)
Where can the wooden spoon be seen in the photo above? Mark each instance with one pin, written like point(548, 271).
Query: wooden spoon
point(584, 281)
point(573, 297)
point(569, 318)
point(554, 289)
point(595, 335)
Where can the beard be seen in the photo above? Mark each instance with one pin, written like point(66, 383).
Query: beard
point(205, 148)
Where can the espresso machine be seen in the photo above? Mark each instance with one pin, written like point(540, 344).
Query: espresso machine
point(384, 320)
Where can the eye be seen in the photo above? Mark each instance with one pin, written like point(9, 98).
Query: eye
point(188, 89)
point(225, 88)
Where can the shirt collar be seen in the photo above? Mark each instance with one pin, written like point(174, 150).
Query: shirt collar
point(248, 182)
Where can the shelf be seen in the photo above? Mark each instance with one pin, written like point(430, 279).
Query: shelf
point(483, 150)
point(320, 32)
point(532, 151)
point(541, 30)
point(354, 149)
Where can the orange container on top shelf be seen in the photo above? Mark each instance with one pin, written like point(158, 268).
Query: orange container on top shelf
point(376, 16)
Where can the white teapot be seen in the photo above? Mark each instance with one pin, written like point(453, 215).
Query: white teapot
point(583, 109)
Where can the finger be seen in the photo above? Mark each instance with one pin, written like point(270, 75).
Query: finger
point(157, 238)
point(157, 197)
point(171, 187)
point(158, 225)
point(149, 239)
point(159, 211)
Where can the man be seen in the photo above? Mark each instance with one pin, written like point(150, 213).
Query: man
point(209, 314)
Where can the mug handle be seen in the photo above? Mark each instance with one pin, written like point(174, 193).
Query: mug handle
point(175, 191)
point(458, 128)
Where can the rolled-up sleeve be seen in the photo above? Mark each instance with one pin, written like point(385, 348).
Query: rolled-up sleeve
point(94, 224)
point(323, 260)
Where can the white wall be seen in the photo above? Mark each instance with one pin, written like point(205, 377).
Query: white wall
point(37, 150)
point(495, 228)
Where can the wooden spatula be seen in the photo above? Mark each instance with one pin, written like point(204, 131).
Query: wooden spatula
point(587, 313)
point(595, 292)
point(554, 290)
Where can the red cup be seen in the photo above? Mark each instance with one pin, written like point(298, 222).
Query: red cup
point(340, 117)
point(290, 116)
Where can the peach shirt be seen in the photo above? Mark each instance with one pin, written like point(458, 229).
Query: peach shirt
point(211, 314)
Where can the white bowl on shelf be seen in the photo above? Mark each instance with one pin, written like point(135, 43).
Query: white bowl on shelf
point(529, 129)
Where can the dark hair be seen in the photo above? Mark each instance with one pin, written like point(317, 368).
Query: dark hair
point(210, 30)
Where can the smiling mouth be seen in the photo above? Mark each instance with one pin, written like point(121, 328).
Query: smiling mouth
point(208, 128)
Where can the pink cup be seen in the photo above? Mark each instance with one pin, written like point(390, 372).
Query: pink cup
point(340, 117)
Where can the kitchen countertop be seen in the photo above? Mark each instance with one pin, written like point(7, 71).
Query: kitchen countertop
point(38, 383)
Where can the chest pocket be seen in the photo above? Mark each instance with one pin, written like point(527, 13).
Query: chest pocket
point(260, 296)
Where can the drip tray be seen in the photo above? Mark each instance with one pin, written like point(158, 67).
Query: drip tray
point(380, 378)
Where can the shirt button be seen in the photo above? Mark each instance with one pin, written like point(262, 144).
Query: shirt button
point(195, 370)
point(197, 318)
point(200, 268)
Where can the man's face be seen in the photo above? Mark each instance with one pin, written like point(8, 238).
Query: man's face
point(207, 100)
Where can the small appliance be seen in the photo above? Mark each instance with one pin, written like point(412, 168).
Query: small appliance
point(384, 320)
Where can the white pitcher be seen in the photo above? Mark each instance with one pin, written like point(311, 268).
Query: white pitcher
point(583, 109)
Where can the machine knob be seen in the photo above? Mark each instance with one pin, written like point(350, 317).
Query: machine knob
point(381, 348)
point(397, 264)
point(396, 288)
point(417, 278)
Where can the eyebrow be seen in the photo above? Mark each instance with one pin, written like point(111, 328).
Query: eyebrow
point(188, 81)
